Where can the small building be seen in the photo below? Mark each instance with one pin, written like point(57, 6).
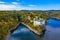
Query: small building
point(38, 22)
point(29, 18)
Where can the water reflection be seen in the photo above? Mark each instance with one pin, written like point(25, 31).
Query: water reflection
point(22, 33)
point(52, 32)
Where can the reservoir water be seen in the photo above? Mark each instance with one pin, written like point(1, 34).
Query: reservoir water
point(52, 32)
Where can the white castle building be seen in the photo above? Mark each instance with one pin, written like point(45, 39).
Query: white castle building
point(38, 22)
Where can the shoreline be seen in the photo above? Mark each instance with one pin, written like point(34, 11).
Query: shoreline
point(55, 18)
point(9, 31)
point(14, 28)
point(27, 26)
point(34, 31)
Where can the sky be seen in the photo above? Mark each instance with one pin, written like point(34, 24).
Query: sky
point(29, 4)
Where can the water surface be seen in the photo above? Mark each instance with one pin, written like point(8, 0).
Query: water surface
point(52, 32)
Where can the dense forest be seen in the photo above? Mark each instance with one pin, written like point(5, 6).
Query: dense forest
point(9, 19)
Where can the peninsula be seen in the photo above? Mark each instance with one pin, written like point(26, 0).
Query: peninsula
point(36, 20)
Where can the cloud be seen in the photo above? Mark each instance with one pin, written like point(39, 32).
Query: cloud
point(1, 2)
point(31, 5)
point(17, 7)
point(7, 7)
point(14, 7)
point(15, 3)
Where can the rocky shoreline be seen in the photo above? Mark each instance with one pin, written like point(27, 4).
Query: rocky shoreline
point(56, 18)
point(34, 31)
point(12, 29)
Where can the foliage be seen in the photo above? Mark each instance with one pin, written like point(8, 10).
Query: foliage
point(9, 19)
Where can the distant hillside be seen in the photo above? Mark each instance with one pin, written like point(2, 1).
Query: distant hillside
point(52, 10)
point(40, 10)
point(34, 10)
point(31, 10)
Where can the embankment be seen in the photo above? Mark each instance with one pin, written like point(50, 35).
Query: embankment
point(35, 31)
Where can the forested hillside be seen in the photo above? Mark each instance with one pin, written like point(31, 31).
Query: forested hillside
point(9, 19)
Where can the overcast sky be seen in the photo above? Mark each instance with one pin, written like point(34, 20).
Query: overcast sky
point(29, 4)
